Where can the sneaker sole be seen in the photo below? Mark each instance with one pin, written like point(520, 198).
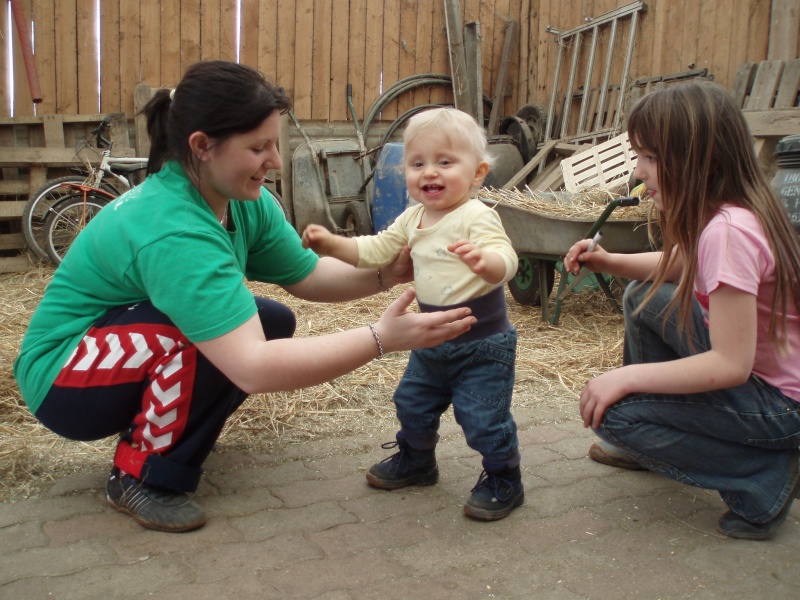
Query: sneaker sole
point(155, 526)
point(760, 536)
point(598, 454)
point(383, 484)
point(482, 514)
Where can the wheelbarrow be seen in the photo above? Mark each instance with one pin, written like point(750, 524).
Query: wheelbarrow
point(542, 240)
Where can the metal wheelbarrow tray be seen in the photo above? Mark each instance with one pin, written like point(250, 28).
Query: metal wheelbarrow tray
point(541, 240)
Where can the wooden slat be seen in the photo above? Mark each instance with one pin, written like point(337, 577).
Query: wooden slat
point(16, 264)
point(249, 31)
point(407, 46)
point(321, 89)
point(209, 29)
point(357, 54)
point(190, 32)
point(743, 83)
point(11, 209)
point(765, 85)
point(12, 241)
point(788, 86)
point(286, 46)
point(15, 187)
point(440, 62)
point(5, 91)
point(43, 16)
point(24, 103)
point(267, 35)
point(774, 122)
point(130, 42)
point(109, 48)
point(423, 45)
point(303, 57)
point(150, 36)
point(66, 65)
point(784, 30)
point(61, 157)
point(227, 30)
point(88, 100)
point(170, 44)
point(372, 58)
point(391, 51)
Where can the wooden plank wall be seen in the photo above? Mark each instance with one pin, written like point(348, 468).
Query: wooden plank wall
point(315, 47)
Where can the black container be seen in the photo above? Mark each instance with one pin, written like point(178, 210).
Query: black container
point(786, 182)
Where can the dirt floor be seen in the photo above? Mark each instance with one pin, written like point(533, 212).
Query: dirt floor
point(552, 365)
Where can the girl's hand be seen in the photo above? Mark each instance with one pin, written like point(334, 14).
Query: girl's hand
point(470, 254)
point(577, 257)
point(600, 393)
point(402, 329)
point(317, 238)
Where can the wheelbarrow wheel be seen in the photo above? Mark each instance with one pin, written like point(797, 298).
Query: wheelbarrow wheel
point(524, 287)
point(356, 220)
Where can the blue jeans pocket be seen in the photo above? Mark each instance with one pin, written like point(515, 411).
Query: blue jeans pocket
point(488, 373)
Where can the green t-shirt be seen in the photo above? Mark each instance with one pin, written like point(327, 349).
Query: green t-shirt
point(160, 242)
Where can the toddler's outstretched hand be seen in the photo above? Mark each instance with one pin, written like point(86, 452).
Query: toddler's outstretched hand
point(317, 238)
point(470, 254)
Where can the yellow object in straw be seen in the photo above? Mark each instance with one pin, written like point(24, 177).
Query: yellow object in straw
point(639, 191)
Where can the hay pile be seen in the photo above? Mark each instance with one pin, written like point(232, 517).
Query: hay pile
point(553, 364)
point(587, 204)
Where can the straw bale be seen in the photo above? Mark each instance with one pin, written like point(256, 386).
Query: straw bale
point(553, 364)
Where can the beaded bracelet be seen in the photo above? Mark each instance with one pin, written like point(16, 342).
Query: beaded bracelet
point(377, 339)
point(380, 281)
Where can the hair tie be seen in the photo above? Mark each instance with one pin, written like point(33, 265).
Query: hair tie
point(172, 94)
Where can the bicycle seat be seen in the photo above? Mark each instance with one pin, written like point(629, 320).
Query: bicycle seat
point(119, 168)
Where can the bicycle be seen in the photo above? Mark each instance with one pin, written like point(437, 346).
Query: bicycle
point(100, 184)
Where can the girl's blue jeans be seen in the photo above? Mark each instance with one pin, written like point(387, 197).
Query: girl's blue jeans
point(741, 441)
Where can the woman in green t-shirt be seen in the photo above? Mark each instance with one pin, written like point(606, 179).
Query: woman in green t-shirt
point(148, 330)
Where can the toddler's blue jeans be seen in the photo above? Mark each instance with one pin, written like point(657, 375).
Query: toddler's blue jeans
point(477, 378)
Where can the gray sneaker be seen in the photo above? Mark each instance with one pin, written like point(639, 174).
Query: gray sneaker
point(153, 507)
point(608, 454)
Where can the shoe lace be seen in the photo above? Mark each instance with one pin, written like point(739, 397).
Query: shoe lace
point(398, 457)
point(502, 488)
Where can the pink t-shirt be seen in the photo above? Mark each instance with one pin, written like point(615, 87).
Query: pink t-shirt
point(734, 250)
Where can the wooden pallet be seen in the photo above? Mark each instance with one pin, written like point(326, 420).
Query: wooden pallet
point(768, 93)
point(605, 165)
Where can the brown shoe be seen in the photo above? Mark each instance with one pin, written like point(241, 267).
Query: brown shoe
point(608, 454)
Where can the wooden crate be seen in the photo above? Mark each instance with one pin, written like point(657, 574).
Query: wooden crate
point(605, 165)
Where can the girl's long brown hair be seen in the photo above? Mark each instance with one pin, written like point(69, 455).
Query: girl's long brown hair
point(705, 157)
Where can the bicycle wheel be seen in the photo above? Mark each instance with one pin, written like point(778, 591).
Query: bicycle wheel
point(40, 203)
point(67, 219)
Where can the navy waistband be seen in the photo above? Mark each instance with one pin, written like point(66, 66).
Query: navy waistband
point(490, 310)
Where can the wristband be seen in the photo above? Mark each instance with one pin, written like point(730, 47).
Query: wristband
point(377, 339)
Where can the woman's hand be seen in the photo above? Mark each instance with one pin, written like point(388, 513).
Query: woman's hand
point(600, 393)
point(578, 257)
point(402, 329)
point(400, 270)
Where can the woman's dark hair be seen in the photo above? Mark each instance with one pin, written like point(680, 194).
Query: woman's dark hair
point(216, 97)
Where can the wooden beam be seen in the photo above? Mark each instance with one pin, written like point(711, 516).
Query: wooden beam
point(54, 157)
point(773, 123)
point(16, 264)
point(11, 209)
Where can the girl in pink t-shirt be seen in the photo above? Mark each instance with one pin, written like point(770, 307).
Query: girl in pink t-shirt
point(709, 390)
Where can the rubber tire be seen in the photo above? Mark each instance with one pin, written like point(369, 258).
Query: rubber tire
point(356, 220)
point(41, 201)
point(67, 219)
point(524, 287)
